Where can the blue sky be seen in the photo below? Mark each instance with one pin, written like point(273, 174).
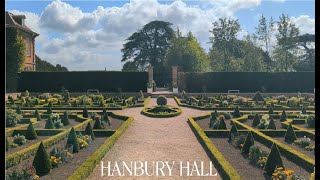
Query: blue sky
point(88, 35)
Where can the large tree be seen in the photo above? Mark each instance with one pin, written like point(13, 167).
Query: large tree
point(187, 53)
point(224, 34)
point(287, 42)
point(264, 32)
point(148, 46)
point(15, 57)
point(306, 61)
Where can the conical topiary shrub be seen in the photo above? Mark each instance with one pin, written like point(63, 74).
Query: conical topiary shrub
point(31, 133)
point(38, 117)
point(19, 110)
point(59, 102)
point(273, 161)
point(290, 135)
point(49, 124)
point(104, 111)
point(49, 110)
point(270, 110)
point(258, 97)
point(222, 124)
point(41, 161)
point(72, 140)
point(216, 113)
point(236, 113)
point(304, 110)
point(271, 125)
point(233, 131)
point(255, 121)
point(247, 143)
point(97, 124)
point(50, 104)
point(36, 112)
point(283, 116)
point(213, 119)
point(88, 131)
point(65, 119)
point(107, 119)
point(85, 112)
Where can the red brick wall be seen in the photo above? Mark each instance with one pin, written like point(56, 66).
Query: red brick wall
point(29, 60)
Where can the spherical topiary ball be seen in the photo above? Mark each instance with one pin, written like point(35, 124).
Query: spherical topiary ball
point(162, 100)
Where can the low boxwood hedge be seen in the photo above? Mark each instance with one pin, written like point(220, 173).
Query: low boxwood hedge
point(16, 157)
point(88, 166)
point(177, 112)
point(292, 154)
point(225, 170)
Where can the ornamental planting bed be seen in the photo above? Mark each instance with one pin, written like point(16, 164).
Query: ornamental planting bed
point(255, 102)
point(20, 158)
point(231, 144)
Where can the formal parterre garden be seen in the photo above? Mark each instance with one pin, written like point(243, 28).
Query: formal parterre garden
point(56, 136)
point(260, 137)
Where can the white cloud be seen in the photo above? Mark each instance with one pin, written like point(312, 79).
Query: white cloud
point(305, 24)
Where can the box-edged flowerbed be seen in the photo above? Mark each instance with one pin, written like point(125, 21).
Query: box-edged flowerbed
point(161, 111)
point(292, 159)
point(58, 137)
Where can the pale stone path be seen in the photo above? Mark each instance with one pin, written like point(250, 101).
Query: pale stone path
point(157, 139)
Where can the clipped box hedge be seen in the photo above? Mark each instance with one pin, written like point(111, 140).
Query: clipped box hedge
point(225, 170)
point(16, 157)
point(88, 166)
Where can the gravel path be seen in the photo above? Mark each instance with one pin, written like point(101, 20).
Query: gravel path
point(156, 139)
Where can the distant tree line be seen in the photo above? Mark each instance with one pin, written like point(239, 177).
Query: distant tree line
point(158, 45)
point(44, 66)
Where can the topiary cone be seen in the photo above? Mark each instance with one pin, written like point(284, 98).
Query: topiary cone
point(236, 113)
point(248, 142)
point(49, 124)
point(31, 133)
point(65, 119)
point(273, 161)
point(272, 125)
point(72, 140)
point(304, 110)
point(88, 131)
point(213, 118)
point(222, 124)
point(38, 117)
point(233, 130)
point(85, 112)
point(97, 124)
point(104, 111)
point(107, 119)
point(270, 110)
point(216, 113)
point(41, 161)
point(256, 120)
point(49, 110)
point(283, 116)
point(19, 110)
point(290, 135)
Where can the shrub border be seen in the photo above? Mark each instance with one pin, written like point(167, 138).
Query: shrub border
point(16, 157)
point(226, 171)
point(293, 155)
point(86, 168)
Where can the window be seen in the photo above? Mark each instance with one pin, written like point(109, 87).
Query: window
point(28, 46)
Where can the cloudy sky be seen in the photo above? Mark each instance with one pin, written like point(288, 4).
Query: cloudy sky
point(88, 35)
